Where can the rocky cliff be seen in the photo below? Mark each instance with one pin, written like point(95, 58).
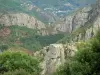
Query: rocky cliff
point(83, 23)
point(54, 55)
point(20, 19)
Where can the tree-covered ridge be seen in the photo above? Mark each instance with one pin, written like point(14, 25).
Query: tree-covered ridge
point(16, 36)
point(44, 10)
point(23, 6)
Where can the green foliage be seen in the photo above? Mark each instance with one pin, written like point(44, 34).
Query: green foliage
point(1, 26)
point(17, 72)
point(31, 43)
point(49, 39)
point(21, 6)
point(28, 38)
point(3, 47)
point(37, 41)
point(11, 61)
point(65, 39)
point(63, 70)
point(86, 61)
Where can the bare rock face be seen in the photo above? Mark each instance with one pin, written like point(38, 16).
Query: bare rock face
point(53, 58)
point(87, 18)
point(75, 20)
point(70, 50)
point(20, 19)
point(80, 18)
point(66, 26)
point(55, 55)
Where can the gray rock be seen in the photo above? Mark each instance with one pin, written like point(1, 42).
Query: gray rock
point(21, 19)
point(54, 56)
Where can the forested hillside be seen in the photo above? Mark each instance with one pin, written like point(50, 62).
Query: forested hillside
point(16, 36)
point(49, 37)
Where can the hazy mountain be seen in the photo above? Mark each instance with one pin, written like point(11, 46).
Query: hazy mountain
point(67, 43)
point(61, 7)
point(44, 10)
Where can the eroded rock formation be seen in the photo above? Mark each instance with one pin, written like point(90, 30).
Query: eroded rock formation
point(20, 19)
point(54, 55)
point(86, 21)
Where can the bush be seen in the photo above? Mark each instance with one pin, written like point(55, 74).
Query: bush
point(11, 61)
point(63, 70)
point(17, 72)
point(3, 48)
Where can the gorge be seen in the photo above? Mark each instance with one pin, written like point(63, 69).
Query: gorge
point(54, 43)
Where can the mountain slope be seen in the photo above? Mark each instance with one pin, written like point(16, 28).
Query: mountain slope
point(25, 38)
point(46, 11)
point(82, 24)
point(24, 6)
point(61, 7)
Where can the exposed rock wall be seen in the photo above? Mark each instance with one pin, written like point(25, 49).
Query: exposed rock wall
point(75, 20)
point(54, 55)
point(87, 18)
point(21, 19)
point(66, 26)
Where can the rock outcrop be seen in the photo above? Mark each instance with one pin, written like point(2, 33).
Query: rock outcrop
point(86, 21)
point(54, 55)
point(21, 19)
point(75, 20)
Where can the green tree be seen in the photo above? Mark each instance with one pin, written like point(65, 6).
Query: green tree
point(17, 72)
point(11, 61)
point(3, 47)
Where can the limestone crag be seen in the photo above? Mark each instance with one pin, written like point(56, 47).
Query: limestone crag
point(21, 19)
point(75, 20)
point(86, 19)
point(54, 55)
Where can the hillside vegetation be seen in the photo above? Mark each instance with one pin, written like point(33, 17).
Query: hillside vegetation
point(86, 60)
point(23, 6)
point(18, 63)
point(16, 36)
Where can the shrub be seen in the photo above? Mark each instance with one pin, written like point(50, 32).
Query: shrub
point(3, 47)
point(17, 72)
point(11, 61)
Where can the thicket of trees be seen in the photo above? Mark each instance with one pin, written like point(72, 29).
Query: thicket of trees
point(86, 61)
point(18, 63)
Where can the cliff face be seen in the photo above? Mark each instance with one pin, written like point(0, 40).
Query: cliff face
point(85, 22)
point(54, 55)
point(21, 19)
point(53, 58)
point(76, 20)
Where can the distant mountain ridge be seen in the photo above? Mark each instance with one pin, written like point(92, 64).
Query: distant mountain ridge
point(61, 7)
point(24, 6)
point(48, 11)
